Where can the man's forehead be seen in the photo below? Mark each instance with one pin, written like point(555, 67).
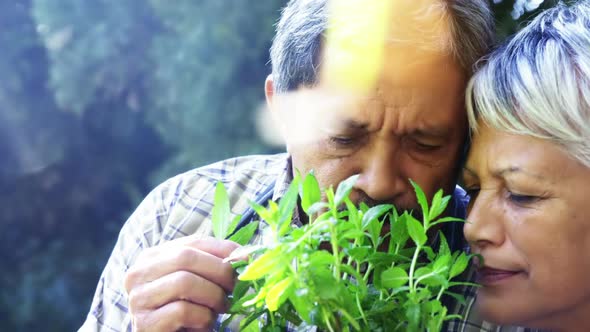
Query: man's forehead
point(420, 24)
point(362, 121)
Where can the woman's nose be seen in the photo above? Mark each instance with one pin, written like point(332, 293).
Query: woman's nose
point(484, 226)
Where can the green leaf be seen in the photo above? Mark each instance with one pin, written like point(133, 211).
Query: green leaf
point(258, 299)
point(413, 316)
point(437, 313)
point(359, 288)
point(428, 277)
point(234, 224)
point(278, 294)
point(321, 258)
point(460, 298)
point(441, 265)
point(287, 205)
point(439, 204)
point(422, 294)
point(238, 303)
point(422, 272)
point(430, 254)
point(375, 213)
point(460, 265)
point(359, 253)
point(261, 266)
point(245, 234)
point(241, 288)
point(317, 207)
point(374, 228)
point(399, 230)
point(416, 231)
point(250, 323)
point(325, 284)
point(422, 201)
point(443, 205)
point(344, 189)
point(299, 300)
point(443, 248)
point(353, 212)
point(434, 207)
point(433, 306)
point(242, 252)
point(310, 192)
point(445, 220)
point(265, 214)
point(352, 234)
point(394, 277)
point(220, 215)
point(381, 258)
point(239, 266)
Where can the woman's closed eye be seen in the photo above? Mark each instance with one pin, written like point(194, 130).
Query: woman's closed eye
point(521, 199)
point(472, 192)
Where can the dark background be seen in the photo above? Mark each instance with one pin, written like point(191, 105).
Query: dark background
point(101, 100)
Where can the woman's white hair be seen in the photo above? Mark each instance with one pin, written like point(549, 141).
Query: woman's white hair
point(538, 83)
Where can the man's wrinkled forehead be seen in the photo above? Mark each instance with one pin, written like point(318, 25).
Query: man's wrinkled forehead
point(420, 24)
point(414, 36)
point(419, 33)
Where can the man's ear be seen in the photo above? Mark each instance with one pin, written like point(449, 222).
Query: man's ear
point(269, 91)
point(275, 122)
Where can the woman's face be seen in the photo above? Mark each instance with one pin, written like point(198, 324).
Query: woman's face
point(530, 220)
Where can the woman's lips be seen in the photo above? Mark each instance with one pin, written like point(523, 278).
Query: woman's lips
point(489, 276)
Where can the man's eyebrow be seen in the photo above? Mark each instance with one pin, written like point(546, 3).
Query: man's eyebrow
point(431, 132)
point(353, 124)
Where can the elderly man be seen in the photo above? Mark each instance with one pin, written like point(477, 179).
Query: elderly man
point(407, 122)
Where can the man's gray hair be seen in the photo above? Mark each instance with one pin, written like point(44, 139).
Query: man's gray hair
point(538, 83)
point(295, 52)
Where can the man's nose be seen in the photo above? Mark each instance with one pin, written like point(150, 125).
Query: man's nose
point(484, 226)
point(381, 177)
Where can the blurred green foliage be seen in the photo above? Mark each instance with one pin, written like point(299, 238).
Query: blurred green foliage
point(99, 101)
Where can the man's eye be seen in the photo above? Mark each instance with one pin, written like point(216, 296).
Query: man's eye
point(424, 146)
point(342, 141)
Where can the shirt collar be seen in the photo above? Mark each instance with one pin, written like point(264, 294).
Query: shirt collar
point(282, 184)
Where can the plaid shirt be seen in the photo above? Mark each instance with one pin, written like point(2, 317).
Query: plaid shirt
point(182, 206)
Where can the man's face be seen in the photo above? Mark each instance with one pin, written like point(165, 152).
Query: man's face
point(411, 125)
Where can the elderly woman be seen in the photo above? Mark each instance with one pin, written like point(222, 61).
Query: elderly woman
point(528, 174)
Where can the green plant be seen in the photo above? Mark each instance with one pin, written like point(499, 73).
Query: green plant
point(368, 277)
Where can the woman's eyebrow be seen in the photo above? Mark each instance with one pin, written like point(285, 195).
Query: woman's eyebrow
point(510, 170)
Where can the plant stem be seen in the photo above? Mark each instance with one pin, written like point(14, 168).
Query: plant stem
point(440, 293)
point(351, 319)
point(412, 268)
point(310, 231)
point(327, 319)
point(368, 272)
point(361, 311)
point(272, 318)
point(334, 241)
